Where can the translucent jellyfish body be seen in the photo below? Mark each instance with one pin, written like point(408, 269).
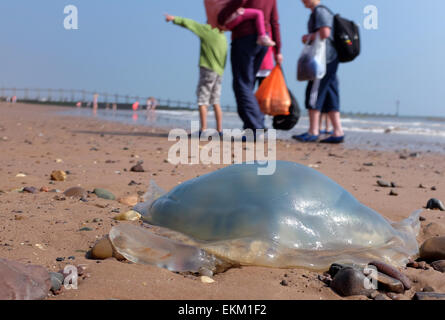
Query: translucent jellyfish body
point(296, 217)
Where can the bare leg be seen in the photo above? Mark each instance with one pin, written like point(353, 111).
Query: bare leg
point(334, 116)
point(314, 122)
point(203, 117)
point(218, 117)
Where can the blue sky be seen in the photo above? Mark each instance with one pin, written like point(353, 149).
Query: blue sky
point(126, 47)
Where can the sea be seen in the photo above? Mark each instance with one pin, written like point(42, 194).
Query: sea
point(368, 132)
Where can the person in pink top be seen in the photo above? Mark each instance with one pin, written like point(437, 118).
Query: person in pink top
point(266, 66)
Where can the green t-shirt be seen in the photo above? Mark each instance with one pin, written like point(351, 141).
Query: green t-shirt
point(213, 44)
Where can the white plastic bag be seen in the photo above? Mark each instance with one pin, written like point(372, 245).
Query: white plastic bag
point(312, 62)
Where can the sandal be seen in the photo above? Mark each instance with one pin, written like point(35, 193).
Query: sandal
point(333, 139)
point(305, 137)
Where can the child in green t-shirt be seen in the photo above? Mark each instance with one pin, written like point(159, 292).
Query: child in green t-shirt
point(212, 63)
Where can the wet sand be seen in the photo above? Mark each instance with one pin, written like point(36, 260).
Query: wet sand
point(34, 141)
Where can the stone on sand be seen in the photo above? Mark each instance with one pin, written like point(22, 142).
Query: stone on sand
point(388, 283)
point(58, 175)
point(393, 272)
point(434, 203)
point(104, 194)
point(56, 281)
point(349, 282)
point(137, 168)
point(75, 192)
point(103, 249)
point(433, 249)
point(23, 282)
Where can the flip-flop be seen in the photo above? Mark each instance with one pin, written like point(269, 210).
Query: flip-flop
point(333, 139)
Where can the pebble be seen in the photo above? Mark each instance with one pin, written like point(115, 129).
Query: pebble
point(58, 175)
point(102, 249)
point(128, 216)
point(429, 296)
point(392, 272)
point(383, 184)
point(85, 229)
point(389, 283)
point(76, 192)
point(393, 193)
point(284, 283)
point(439, 265)
point(433, 188)
point(349, 282)
point(104, 194)
point(434, 203)
point(137, 168)
point(60, 259)
point(44, 189)
point(433, 249)
point(56, 281)
point(29, 190)
point(428, 289)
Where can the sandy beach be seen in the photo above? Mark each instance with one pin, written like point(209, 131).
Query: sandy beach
point(40, 227)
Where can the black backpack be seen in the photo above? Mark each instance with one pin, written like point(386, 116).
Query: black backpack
point(346, 38)
point(289, 121)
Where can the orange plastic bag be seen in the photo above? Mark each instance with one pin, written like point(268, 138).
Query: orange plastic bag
point(273, 95)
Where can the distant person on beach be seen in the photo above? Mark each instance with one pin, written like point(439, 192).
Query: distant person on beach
point(322, 95)
point(95, 102)
point(135, 106)
point(79, 104)
point(212, 63)
point(152, 103)
point(14, 99)
point(247, 56)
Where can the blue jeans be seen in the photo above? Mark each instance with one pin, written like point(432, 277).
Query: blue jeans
point(246, 58)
